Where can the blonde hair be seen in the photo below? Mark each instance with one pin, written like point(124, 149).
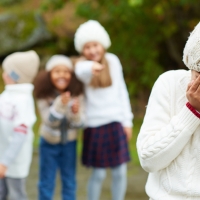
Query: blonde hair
point(103, 80)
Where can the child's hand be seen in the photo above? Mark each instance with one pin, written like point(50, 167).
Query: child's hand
point(3, 170)
point(75, 106)
point(97, 68)
point(193, 93)
point(65, 97)
point(128, 132)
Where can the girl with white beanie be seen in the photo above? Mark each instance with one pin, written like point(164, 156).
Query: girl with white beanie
point(17, 117)
point(169, 140)
point(59, 105)
point(108, 124)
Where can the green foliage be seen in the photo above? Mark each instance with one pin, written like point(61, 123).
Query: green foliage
point(135, 2)
point(132, 143)
point(52, 4)
point(1, 81)
point(9, 2)
point(21, 30)
point(148, 36)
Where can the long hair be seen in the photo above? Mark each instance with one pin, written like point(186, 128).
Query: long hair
point(103, 79)
point(44, 87)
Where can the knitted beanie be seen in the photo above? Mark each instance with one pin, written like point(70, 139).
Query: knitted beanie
point(191, 53)
point(22, 67)
point(58, 60)
point(91, 31)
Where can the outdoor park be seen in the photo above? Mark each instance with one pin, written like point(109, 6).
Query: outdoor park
point(147, 36)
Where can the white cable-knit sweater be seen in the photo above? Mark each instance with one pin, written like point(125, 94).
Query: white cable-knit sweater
point(105, 105)
point(169, 141)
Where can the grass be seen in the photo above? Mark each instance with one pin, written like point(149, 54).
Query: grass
point(132, 143)
point(1, 81)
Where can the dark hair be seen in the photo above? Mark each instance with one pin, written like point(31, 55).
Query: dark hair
point(44, 87)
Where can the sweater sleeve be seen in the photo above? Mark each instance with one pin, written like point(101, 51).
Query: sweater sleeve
point(83, 71)
point(163, 137)
point(125, 102)
point(19, 137)
point(51, 114)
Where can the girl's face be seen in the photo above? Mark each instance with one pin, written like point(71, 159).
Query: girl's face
point(93, 51)
point(60, 77)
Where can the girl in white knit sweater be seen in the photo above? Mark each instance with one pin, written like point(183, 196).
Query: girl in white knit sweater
point(108, 112)
point(169, 140)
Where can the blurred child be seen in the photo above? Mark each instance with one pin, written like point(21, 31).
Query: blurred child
point(17, 116)
point(108, 111)
point(59, 106)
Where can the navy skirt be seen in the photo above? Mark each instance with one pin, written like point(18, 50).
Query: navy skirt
point(105, 146)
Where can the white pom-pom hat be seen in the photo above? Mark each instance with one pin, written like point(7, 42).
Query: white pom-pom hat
point(191, 53)
point(58, 60)
point(91, 31)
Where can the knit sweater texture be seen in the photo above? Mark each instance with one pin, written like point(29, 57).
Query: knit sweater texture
point(169, 141)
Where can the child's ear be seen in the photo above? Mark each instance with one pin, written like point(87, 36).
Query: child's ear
point(7, 79)
point(4, 74)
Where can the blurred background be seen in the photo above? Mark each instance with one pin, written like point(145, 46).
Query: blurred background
point(147, 36)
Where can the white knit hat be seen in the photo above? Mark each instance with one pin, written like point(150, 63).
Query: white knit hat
point(191, 53)
point(91, 31)
point(22, 67)
point(58, 60)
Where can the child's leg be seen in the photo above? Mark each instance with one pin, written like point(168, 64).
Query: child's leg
point(16, 188)
point(3, 189)
point(119, 182)
point(47, 169)
point(67, 164)
point(95, 183)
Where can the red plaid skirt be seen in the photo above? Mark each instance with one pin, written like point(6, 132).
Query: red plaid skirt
point(105, 146)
